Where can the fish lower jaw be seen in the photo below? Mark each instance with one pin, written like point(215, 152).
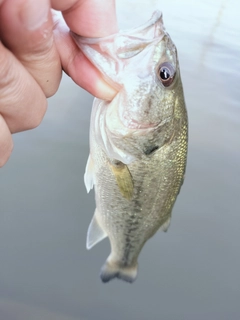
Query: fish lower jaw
point(131, 123)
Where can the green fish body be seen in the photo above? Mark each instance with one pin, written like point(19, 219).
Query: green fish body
point(138, 142)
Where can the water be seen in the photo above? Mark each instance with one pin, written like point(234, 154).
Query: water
point(192, 272)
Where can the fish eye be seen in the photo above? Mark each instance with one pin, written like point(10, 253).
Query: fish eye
point(166, 74)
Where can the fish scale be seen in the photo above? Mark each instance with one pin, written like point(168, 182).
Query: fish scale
point(138, 142)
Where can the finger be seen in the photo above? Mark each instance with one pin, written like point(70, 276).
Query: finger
point(22, 102)
point(26, 28)
point(6, 143)
point(92, 18)
point(77, 66)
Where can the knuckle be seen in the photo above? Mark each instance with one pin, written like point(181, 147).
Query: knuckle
point(36, 118)
point(46, 69)
point(36, 45)
point(5, 68)
point(11, 84)
point(43, 65)
point(23, 103)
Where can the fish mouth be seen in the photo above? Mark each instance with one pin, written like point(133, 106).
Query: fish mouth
point(155, 19)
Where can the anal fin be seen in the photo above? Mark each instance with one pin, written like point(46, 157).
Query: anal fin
point(95, 233)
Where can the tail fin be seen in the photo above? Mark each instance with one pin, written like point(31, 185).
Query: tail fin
point(112, 270)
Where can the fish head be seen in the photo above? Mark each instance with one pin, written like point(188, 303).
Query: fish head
point(142, 64)
point(148, 92)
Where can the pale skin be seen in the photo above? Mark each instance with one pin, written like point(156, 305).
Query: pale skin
point(35, 46)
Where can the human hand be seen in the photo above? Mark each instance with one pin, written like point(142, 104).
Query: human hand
point(33, 51)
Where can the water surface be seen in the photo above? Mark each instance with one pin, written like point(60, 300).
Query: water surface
point(192, 272)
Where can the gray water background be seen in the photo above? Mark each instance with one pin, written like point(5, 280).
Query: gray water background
point(189, 273)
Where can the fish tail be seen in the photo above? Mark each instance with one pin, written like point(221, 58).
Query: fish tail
point(111, 270)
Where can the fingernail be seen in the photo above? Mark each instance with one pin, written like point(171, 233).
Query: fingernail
point(106, 92)
point(34, 13)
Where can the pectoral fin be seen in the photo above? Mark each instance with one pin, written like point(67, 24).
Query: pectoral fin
point(123, 178)
point(95, 233)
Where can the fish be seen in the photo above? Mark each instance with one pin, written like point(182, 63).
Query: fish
point(138, 142)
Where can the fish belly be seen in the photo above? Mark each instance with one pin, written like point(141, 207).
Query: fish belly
point(129, 223)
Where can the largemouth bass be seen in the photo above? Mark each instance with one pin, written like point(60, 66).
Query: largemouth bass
point(138, 142)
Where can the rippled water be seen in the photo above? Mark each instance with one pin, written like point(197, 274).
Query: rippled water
point(192, 272)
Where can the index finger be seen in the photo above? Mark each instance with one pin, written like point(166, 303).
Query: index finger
point(91, 18)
